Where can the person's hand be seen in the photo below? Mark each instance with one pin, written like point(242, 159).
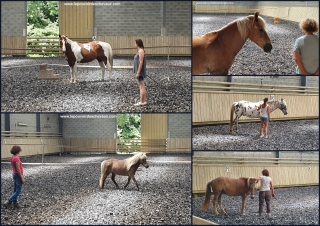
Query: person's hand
point(272, 194)
point(22, 181)
point(137, 75)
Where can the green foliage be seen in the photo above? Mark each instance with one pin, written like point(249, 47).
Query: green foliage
point(51, 30)
point(42, 13)
point(129, 126)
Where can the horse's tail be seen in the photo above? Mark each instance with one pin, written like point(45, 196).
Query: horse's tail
point(102, 166)
point(231, 117)
point(111, 57)
point(206, 203)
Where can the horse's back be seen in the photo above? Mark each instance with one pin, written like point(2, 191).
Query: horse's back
point(229, 186)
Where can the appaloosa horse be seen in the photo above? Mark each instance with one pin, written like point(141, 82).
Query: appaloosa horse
point(249, 109)
point(229, 186)
point(76, 52)
point(127, 167)
point(215, 51)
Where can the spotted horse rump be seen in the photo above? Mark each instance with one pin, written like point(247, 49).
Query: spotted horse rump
point(249, 109)
point(76, 52)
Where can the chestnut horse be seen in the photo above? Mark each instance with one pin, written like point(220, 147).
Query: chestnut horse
point(215, 51)
point(76, 52)
point(126, 167)
point(229, 186)
point(249, 109)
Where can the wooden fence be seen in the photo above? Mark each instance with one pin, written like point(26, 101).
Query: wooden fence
point(121, 45)
point(212, 101)
point(285, 172)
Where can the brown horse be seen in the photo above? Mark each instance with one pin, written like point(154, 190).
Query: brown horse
point(76, 52)
point(215, 51)
point(126, 167)
point(229, 186)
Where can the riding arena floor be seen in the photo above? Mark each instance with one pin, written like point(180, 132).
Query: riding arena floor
point(290, 206)
point(66, 192)
point(282, 135)
point(22, 91)
point(251, 59)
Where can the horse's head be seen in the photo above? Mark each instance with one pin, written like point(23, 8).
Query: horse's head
point(283, 107)
point(63, 40)
point(143, 160)
point(258, 32)
point(251, 183)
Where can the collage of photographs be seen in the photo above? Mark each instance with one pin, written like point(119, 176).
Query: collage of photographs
point(160, 112)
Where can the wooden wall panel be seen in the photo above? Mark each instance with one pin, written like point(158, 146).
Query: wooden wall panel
point(215, 107)
point(281, 175)
point(17, 42)
point(90, 145)
point(176, 145)
point(30, 146)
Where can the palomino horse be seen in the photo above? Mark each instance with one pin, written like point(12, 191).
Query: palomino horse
point(249, 109)
point(76, 52)
point(229, 186)
point(215, 51)
point(126, 167)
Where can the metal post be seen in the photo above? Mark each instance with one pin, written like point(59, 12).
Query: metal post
point(168, 56)
point(42, 150)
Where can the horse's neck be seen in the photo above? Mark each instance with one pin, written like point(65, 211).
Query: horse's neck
point(274, 105)
point(235, 42)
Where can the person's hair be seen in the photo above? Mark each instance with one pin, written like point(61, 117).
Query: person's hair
point(265, 172)
point(139, 42)
point(15, 150)
point(309, 25)
point(265, 100)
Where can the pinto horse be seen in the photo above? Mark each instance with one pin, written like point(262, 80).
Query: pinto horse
point(249, 109)
point(76, 52)
point(126, 167)
point(231, 187)
point(215, 51)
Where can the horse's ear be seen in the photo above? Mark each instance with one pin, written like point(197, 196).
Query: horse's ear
point(59, 36)
point(256, 16)
point(282, 99)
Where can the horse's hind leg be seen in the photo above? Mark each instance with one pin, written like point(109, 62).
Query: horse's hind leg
point(103, 68)
point(214, 202)
point(220, 204)
point(107, 63)
point(243, 205)
point(113, 179)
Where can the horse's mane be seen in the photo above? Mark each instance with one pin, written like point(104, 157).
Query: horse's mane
point(134, 159)
point(245, 24)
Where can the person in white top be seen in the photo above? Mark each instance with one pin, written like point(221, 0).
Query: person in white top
point(265, 193)
point(264, 117)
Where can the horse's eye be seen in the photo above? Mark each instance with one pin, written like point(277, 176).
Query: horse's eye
point(260, 29)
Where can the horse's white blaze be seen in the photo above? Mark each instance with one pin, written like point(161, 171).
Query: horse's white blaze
point(63, 46)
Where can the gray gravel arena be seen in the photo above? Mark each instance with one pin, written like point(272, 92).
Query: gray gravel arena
point(283, 135)
point(68, 193)
point(290, 206)
point(252, 59)
point(21, 91)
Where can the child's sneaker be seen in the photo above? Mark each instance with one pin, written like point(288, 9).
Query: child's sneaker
point(7, 204)
point(16, 205)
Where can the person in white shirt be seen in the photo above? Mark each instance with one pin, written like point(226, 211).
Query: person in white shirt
point(264, 117)
point(265, 193)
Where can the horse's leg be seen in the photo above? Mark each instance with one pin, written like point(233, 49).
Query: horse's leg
point(71, 74)
point(75, 72)
point(129, 178)
point(236, 121)
point(243, 204)
point(214, 202)
point(134, 179)
point(113, 179)
point(110, 69)
point(220, 204)
point(103, 68)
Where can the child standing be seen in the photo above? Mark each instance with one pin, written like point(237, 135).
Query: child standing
point(17, 177)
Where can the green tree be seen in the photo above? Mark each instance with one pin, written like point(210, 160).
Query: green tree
point(42, 13)
point(129, 126)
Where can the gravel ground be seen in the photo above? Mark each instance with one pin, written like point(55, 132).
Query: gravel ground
point(283, 135)
point(69, 194)
point(21, 91)
point(290, 206)
point(251, 59)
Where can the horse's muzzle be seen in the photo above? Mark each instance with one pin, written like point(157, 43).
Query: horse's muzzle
point(267, 47)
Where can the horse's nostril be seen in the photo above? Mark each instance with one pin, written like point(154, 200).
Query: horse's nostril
point(267, 47)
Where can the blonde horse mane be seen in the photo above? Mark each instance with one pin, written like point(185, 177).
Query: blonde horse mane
point(134, 159)
point(245, 25)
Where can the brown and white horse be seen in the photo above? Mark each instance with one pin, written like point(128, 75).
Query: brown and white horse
point(126, 167)
point(249, 109)
point(215, 51)
point(229, 186)
point(76, 52)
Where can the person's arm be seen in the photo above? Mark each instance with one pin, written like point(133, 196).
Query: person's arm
point(141, 58)
point(317, 72)
point(257, 178)
point(272, 189)
point(258, 108)
point(268, 111)
point(297, 58)
point(19, 171)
